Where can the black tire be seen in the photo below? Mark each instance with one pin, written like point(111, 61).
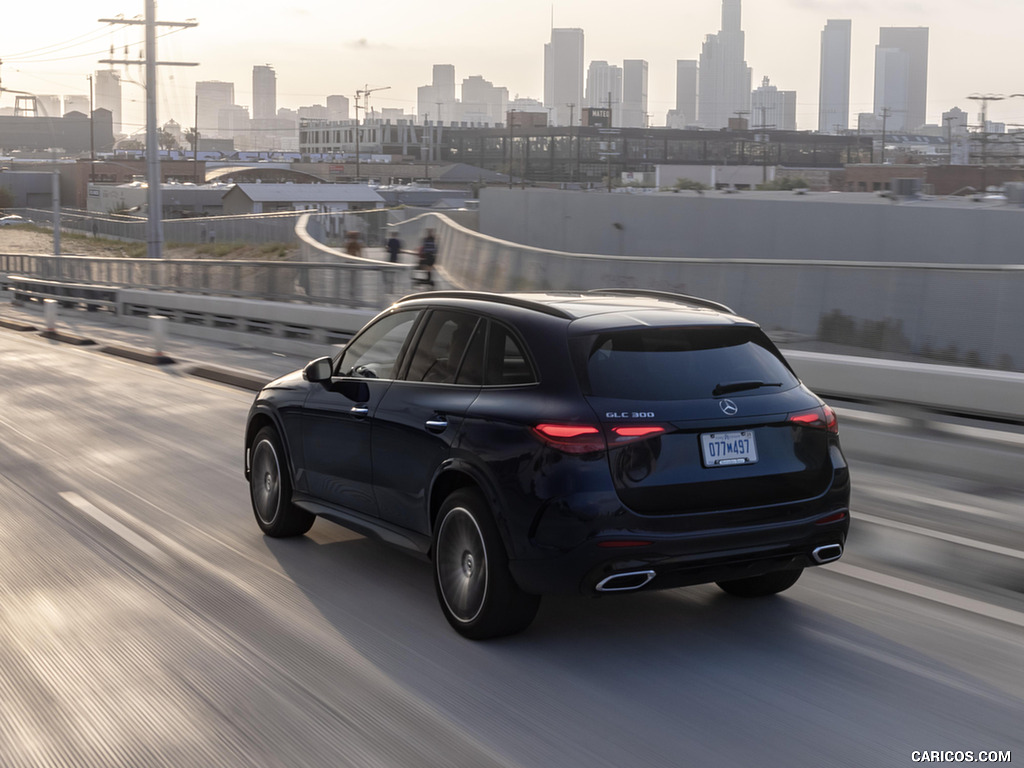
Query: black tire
point(477, 593)
point(270, 489)
point(761, 586)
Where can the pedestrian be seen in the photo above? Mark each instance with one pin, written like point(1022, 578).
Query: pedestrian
point(353, 247)
point(394, 247)
point(428, 257)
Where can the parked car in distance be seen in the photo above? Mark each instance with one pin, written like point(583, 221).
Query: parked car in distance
point(11, 220)
point(527, 444)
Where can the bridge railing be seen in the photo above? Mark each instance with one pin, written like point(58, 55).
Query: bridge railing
point(365, 283)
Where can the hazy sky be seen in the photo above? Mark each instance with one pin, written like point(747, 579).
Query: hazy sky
point(323, 47)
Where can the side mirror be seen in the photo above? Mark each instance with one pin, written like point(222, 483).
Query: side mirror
point(318, 370)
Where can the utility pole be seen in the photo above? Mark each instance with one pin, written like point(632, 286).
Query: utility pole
point(195, 143)
point(154, 217)
point(572, 116)
point(426, 150)
point(366, 93)
point(92, 137)
point(885, 116)
point(511, 125)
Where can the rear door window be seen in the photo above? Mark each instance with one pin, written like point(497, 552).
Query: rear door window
point(681, 363)
point(442, 349)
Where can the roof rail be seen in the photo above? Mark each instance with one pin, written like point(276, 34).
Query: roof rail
point(498, 298)
point(680, 297)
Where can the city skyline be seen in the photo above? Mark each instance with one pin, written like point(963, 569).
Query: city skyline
point(318, 49)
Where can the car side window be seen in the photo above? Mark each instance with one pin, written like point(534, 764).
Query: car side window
point(442, 347)
point(374, 353)
point(506, 363)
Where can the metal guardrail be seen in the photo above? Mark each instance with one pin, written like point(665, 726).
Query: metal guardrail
point(67, 295)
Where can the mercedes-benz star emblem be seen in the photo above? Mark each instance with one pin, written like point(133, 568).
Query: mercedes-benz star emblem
point(728, 407)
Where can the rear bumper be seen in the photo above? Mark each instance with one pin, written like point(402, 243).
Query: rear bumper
point(693, 557)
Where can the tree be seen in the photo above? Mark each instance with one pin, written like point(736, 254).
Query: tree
point(190, 137)
point(167, 141)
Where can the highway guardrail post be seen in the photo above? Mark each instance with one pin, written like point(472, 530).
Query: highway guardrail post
point(50, 314)
point(158, 328)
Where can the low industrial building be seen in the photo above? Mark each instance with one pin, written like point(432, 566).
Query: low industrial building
point(325, 198)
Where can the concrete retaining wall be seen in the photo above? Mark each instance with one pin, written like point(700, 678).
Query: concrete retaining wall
point(779, 225)
point(954, 312)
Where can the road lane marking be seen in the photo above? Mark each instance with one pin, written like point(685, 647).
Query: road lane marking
point(115, 526)
point(953, 506)
point(950, 537)
point(949, 599)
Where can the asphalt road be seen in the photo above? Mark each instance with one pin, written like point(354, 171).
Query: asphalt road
point(145, 621)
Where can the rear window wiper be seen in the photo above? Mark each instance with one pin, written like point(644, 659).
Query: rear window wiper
point(738, 386)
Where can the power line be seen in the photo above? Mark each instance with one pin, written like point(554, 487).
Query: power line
point(55, 47)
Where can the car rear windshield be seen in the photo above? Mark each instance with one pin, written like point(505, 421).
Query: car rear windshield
point(681, 363)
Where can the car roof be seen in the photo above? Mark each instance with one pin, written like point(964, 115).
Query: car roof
point(575, 305)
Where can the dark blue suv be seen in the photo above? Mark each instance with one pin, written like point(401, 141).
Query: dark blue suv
point(535, 443)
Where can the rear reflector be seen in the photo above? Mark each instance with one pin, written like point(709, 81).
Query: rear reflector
point(620, 544)
point(835, 517)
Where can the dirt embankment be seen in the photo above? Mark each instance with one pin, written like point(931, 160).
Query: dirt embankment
point(24, 240)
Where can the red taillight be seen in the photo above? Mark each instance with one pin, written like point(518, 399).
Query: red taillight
point(584, 438)
point(624, 434)
point(831, 420)
point(572, 438)
point(806, 418)
point(823, 418)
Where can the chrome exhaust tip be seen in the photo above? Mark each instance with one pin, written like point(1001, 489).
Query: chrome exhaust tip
point(624, 582)
point(827, 553)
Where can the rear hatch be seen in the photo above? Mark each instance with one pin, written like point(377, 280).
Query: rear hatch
point(703, 418)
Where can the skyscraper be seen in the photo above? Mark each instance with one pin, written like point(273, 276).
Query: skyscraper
point(834, 82)
point(482, 102)
point(634, 93)
point(901, 76)
point(563, 74)
point(604, 87)
point(108, 96)
point(686, 90)
point(264, 93)
point(773, 108)
point(438, 99)
point(337, 108)
point(724, 74)
point(211, 97)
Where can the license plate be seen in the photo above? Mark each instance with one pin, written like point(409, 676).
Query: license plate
point(722, 449)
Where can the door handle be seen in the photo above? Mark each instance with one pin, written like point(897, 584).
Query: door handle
point(359, 410)
point(437, 425)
